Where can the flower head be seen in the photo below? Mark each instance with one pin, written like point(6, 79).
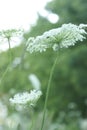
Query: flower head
point(8, 34)
point(62, 37)
point(26, 98)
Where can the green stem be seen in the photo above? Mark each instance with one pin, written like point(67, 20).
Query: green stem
point(9, 62)
point(10, 53)
point(32, 117)
point(22, 57)
point(47, 92)
point(4, 74)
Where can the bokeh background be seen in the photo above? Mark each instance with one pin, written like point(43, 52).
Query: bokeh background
point(67, 103)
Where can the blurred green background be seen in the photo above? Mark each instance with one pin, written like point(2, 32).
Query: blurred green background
point(67, 105)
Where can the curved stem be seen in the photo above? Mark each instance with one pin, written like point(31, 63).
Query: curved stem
point(47, 92)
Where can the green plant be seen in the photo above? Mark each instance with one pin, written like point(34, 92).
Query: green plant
point(7, 35)
point(62, 37)
point(56, 39)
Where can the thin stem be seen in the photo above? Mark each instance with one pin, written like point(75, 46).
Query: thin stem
point(22, 57)
point(32, 116)
point(47, 92)
point(9, 43)
point(10, 53)
point(4, 74)
point(32, 124)
point(9, 62)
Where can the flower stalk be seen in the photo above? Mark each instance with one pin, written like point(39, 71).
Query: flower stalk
point(47, 92)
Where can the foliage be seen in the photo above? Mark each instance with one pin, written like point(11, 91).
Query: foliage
point(69, 11)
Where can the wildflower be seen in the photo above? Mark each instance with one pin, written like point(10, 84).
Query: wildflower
point(3, 111)
point(62, 37)
point(11, 33)
point(34, 81)
point(16, 62)
point(26, 98)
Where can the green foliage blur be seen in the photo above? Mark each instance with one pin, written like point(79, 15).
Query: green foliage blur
point(68, 94)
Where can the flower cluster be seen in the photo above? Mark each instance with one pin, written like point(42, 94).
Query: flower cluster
point(62, 37)
point(11, 33)
point(26, 98)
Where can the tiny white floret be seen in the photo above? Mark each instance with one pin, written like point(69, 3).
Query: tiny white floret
point(62, 37)
point(26, 98)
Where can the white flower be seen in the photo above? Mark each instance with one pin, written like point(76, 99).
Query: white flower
point(3, 111)
point(26, 98)
point(16, 62)
point(83, 124)
point(34, 81)
point(65, 36)
point(11, 33)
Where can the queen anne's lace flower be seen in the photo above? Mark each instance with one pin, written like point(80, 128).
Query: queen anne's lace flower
point(11, 33)
point(65, 36)
point(26, 98)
